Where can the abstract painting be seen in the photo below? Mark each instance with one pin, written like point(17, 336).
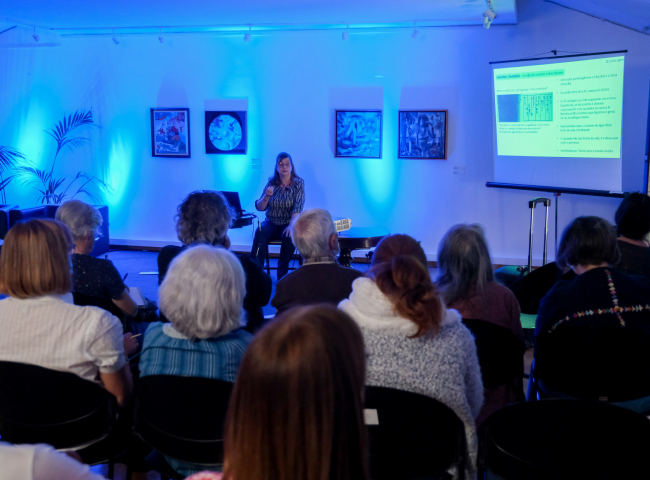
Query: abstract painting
point(170, 132)
point(423, 134)
point(358, 133)
point(226, 133)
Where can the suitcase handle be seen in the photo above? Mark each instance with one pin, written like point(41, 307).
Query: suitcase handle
point(533, 203)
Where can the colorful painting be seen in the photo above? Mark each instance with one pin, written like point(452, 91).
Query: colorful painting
point(226, 133)
point(170, 132)
point(358, 133)
point(423, 134)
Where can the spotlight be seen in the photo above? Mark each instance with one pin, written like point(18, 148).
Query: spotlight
point(345, 34)
point(415, 34)
point(160, 37)
point(247, 36)
point(115, 40)
point(34, 36)
point(491, 14)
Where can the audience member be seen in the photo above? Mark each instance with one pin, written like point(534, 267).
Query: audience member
point(413, 343)
point(466, 284)
point(296, 411)
point(203, 219)
point(41, 462)
point(91, 276)
point(202, 297)
point(600, 294)
point(633, 226)
point(39, 323)
point(321, 279)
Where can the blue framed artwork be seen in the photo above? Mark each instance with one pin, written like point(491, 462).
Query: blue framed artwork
point(423, 134)
point(226, 133)
point(358, 133)
point(170, 132)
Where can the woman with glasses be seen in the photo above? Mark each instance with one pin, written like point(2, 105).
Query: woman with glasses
point(94, 277)
point(283, 198)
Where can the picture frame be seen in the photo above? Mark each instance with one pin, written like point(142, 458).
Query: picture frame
point(226, 132)
point(423, 134)
point(358, 133)
point(170, 132)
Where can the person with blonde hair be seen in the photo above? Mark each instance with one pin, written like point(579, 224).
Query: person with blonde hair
point(202, 297)
point(39, 323)
point(413, 342)
point(95, 277)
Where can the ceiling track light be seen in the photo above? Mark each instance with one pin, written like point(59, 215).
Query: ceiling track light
point(489, 15)
point(161, 39)
point(247, 36)
point(115, 40)
point(415, 32)
point(34, 36)
point(345, 33)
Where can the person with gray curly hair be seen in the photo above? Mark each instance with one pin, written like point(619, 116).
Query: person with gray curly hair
point(203, 219)
point(202, 296)
point(93, 277)
point(320, 279)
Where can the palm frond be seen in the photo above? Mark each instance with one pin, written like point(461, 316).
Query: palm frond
point(8, 157)
point(5, 182)
point(61, 130)
point(29, 174)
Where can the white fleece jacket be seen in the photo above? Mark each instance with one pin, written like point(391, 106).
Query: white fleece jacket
point(442, 366)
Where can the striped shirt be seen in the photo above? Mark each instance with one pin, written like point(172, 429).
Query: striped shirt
point(285, 201)
point(167, 352)
point(51, 332)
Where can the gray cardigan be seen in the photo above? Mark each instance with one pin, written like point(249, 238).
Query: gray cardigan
point(442, 366)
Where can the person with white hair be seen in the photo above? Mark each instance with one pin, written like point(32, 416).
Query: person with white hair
point(202, 297)
point(94, 277)
point(320, 279)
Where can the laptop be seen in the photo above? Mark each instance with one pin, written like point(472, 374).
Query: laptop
point(233, 200)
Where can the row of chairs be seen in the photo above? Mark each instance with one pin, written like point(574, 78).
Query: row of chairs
point(413, 437)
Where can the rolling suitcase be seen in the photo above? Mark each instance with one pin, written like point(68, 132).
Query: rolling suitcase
point(509, 274)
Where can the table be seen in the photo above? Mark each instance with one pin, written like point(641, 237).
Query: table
point(359, 238)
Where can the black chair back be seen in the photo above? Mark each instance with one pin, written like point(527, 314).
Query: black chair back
point(103, 303)
point(183, 417)
point(595, 362)
point(500, 353)
point(39, 405)
point(564, 440)
point(416, 436)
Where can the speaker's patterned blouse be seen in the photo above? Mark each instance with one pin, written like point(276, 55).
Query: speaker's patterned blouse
point(285, 201)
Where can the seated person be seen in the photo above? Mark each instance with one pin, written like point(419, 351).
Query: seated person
point(202, 297)
point(633, 225)
point(320, 279)
point(466, 284)
point(95, 277)
point(413, 343)
point(41, 462)
point(41, 326)
point(296, 411)
point(203, 219)
point(589, 247)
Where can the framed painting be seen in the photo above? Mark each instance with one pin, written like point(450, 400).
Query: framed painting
point(170, 132)
point(423, 134)
point(226, 133)
point(358, 133)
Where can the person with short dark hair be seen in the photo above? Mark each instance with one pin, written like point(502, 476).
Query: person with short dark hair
point(203, 219)
point(633, 226)
point(413, 342)
point(320, 279)
point(283, 198)
point(600, 294)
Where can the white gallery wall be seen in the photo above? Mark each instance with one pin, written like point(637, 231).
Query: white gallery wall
point(293, 82)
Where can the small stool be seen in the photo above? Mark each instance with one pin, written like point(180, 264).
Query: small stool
point(268, 266)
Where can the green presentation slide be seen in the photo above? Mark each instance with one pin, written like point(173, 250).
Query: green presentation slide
point(571, 109)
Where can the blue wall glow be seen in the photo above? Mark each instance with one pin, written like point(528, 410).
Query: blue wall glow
point(293, 82)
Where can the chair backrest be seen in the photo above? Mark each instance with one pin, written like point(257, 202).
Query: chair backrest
point(564, 440)
point(103, 303)
point(595, 362)
point(500, 352)
point(39, 405)
point(183, 417)
point(415, 436)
